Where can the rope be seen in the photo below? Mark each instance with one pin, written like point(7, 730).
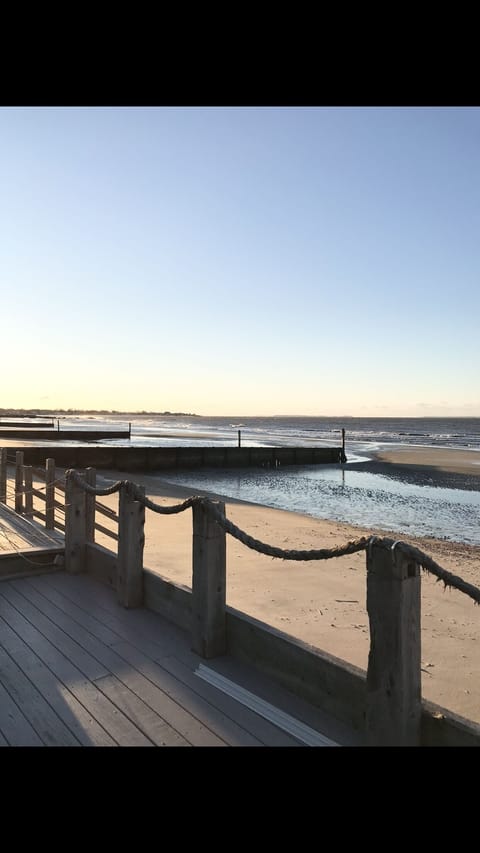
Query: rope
point(94, 490)
point(429, 565)
point(272, 551)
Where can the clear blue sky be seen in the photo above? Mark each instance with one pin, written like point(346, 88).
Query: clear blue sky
point(241, 260)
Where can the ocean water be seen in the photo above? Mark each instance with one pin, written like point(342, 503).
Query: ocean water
point(332, 492)
point(356, 497)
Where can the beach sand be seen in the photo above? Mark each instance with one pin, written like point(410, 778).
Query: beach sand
point(323, 602)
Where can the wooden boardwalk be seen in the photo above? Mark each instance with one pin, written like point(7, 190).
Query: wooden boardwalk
point(18, 532)
point(78, 669)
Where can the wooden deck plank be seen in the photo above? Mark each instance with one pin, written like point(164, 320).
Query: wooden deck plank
point(21, 531)
point(169, 648)
point(276, 695)
point(226, 714)
point(14, 727)
point(267, 733)
point(121, 729)
point(98, 599)
point(39, 609)
point(160, 651)
point(51, 730)
point(87, 664)
point(72, 611)
point(237, 723)
point(74, 715)
point(153, 726)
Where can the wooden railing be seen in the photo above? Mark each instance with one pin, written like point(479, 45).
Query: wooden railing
point(47, 485)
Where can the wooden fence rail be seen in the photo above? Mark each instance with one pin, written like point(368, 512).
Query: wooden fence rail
point(24, 491)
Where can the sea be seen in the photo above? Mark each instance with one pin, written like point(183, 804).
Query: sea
point(347, 493)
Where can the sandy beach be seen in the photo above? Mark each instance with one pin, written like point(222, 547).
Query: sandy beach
point(323, 603)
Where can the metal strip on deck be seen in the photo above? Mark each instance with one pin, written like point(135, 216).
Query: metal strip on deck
point(289, 724)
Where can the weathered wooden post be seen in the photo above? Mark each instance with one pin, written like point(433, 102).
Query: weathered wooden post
point(208, 583)
point(344, 458)
point(91, 479)
point(131, 539)
point(3, 475)
point(239, 438)
point(75, 525)
point(394, 702)
point(50, 494)
point(28, 486)
point(19, 481)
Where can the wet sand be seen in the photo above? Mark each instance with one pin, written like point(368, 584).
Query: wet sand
point(426, 466)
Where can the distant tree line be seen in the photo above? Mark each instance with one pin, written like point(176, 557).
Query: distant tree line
point(32, 413)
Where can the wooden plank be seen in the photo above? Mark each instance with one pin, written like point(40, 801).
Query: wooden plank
point(39, 514)
point(91, 479)
point(234, 723)
point(106, 531)
point(163, 642)
point(105, 510)
point(221, 713)
point(146, 720)
point(45, 597)
point(394, 703)
point(85, 728)
point(178, 717)
point(208, 583)
point(19, 481)
point(102, 709)
point(75, 524)
point(39, 494)
point(131, 540)
point(50, 493)
point(29, 530)
point(14, 727)
point(90, 667)
point(28, 490)
point(29, 561)
point(51, 730)
point(3, 475)
point(98, 600)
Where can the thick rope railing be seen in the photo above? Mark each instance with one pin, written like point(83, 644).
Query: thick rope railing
point(419, 557)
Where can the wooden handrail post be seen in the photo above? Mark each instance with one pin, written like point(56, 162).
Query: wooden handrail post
point(50, 494)
point(131, 539)
point(394, 701)
point(3, 475)
point(209, 637)
point(91, 479)
point(75, 525)
point(28, 486)
point(19, 481)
